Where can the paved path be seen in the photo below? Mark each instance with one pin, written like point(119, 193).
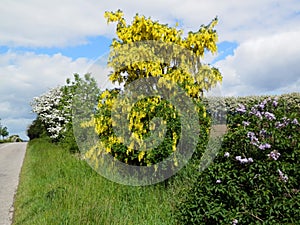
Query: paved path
point(11, 159)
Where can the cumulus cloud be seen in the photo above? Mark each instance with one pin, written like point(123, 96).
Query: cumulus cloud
point(265, 61)
point(65, 23)
point(265, 65)
point(26, 75)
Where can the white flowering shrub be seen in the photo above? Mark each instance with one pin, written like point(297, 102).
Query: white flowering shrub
point(255, 176)
point(52, 111)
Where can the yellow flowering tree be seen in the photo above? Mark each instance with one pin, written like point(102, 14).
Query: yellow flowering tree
point(149, 49)
point(185, 69)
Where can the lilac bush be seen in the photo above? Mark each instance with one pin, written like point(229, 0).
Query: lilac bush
point(257, 169)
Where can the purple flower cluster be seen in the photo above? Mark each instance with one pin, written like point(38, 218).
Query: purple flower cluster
point(263, 133)
point(285, 122)
point(274, 155)
point(263, 103)
point(243, 160)
point(256, 112)
point(264, 146)
point(253, 138)
point(282, 177)
point(241, 108)
point(246, 123)
point(295, 121)
point(270, 116)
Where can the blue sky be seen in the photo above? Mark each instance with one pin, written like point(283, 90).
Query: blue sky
point(42, 43)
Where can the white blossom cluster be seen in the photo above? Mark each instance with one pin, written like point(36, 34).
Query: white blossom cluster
point(53, 110)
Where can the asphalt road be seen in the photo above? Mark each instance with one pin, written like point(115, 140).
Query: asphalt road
point(11, 160)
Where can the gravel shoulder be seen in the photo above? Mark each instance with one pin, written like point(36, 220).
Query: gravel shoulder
point(11, 160)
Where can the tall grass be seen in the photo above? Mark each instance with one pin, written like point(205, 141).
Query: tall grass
point(58, 188)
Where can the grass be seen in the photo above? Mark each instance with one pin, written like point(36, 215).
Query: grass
point(58, 188)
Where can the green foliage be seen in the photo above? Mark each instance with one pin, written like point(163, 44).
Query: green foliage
point(78, 93)
point(14, 138)
point(37, 129)
point(254, 178)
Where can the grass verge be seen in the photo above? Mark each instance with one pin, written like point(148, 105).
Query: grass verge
point(58, 188)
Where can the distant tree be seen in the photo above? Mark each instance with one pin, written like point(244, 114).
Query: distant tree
point(3, 131)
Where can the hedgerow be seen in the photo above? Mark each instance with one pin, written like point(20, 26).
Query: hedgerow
point(255, 177)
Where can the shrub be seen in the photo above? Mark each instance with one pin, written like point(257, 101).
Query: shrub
point(37, 129)
point(254, 179)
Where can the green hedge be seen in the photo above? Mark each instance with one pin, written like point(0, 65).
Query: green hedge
point(255, 177)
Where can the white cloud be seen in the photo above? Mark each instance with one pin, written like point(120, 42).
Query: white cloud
point(265, 65)
point(62, 23)
point(26, 75)
point(266, 60)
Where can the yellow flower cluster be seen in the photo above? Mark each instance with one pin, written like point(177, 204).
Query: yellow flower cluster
point(135, 55)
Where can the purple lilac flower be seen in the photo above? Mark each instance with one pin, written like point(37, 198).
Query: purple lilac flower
point(274, 155)
point(263, 132)
point(275, 103)
point(226, 154)
point(270, 116)
point(253, 138)
point(279, 125)
point(241, 108)
point(282, 177)
point(246, 123)
point(253, 110)
point(250, 134)
point(218, 181)
point(286, 121)
point(295, 121)
point(261, 105)
point(264, 146)
point(258, 114)
point(243, 160)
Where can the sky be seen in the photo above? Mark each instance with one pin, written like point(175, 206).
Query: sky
point(42, 43)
